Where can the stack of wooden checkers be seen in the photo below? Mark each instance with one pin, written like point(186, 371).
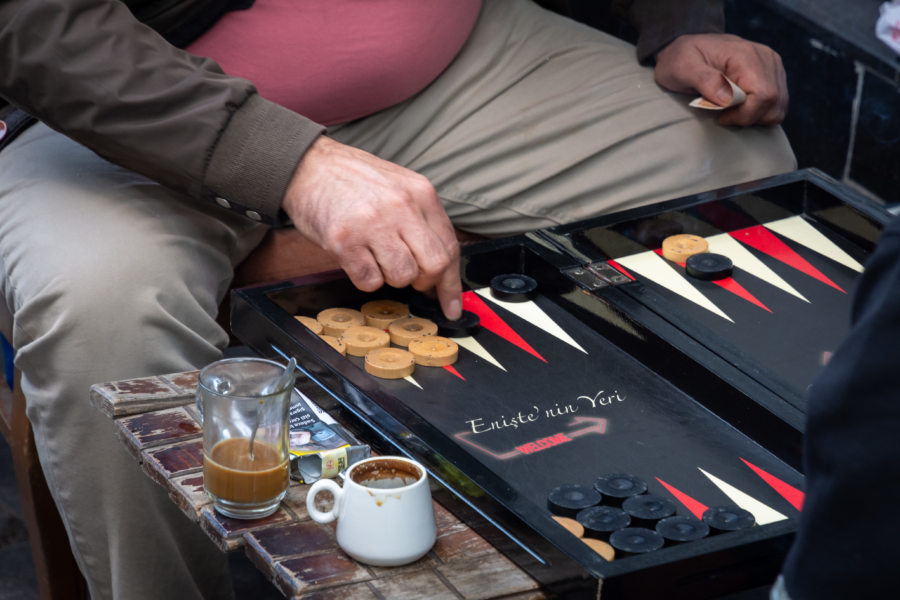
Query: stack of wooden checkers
point(392, 342)
point(617, 517)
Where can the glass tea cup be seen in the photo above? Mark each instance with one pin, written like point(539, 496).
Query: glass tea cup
point(244, 403)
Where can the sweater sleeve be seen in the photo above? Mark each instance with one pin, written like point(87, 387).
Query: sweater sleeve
point(90, 70)
point(658, 22)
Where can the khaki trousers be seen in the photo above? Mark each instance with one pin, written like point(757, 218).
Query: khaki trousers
point(541, 121)
point(106, 275)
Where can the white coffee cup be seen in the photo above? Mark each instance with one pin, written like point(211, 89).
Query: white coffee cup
point(384, 511)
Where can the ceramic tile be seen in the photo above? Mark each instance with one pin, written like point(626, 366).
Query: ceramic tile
point(294, 539)
point(318, 571)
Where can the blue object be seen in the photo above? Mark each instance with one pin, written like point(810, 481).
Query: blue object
point(7, 352)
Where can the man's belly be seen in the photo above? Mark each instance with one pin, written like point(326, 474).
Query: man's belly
point(338, 60)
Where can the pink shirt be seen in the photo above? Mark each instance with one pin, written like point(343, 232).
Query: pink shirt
point(337, 60)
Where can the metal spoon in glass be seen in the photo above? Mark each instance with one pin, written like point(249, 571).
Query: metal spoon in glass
point(279, 385)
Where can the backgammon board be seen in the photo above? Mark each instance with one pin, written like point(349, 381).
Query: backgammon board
point(618, 362)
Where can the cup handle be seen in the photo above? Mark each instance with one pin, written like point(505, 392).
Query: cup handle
point(323, 485)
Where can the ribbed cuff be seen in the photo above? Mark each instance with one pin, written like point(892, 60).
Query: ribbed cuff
point(256, 156)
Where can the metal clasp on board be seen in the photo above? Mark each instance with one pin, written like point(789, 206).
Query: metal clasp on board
point(595, 276)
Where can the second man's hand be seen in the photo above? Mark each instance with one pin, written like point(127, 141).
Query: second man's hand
point(384, 223)
point(696, 63)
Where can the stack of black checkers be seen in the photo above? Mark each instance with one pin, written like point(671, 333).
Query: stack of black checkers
point(721, 519)
point(569, 499)
point(513, 287)
point(616, 516)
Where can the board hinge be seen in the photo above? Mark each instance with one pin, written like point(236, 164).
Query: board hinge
point(595, 276)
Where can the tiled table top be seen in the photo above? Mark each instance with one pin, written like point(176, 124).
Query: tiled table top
point(159, 424)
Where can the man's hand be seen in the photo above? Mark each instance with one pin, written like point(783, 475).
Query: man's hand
point(384, 223)
point(695, 63)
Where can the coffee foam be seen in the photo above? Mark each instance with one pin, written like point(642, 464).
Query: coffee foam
point(385, 473)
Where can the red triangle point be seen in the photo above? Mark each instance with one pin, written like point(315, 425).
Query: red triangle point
point(765, 241)
point(454, 371)
point(492, 322)
point(697, 508)
point(787, 491)
point(734, 287)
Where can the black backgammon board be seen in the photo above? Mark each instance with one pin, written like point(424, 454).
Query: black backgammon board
point(619, 362)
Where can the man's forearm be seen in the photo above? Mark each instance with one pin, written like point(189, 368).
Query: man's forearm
point(91, 70)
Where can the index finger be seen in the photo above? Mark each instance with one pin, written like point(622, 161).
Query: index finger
point(438, 258)
point(449, 290)
point(439, 270)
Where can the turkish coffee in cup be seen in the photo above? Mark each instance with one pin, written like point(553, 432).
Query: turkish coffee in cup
point(386, 473)
point(384, 511)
